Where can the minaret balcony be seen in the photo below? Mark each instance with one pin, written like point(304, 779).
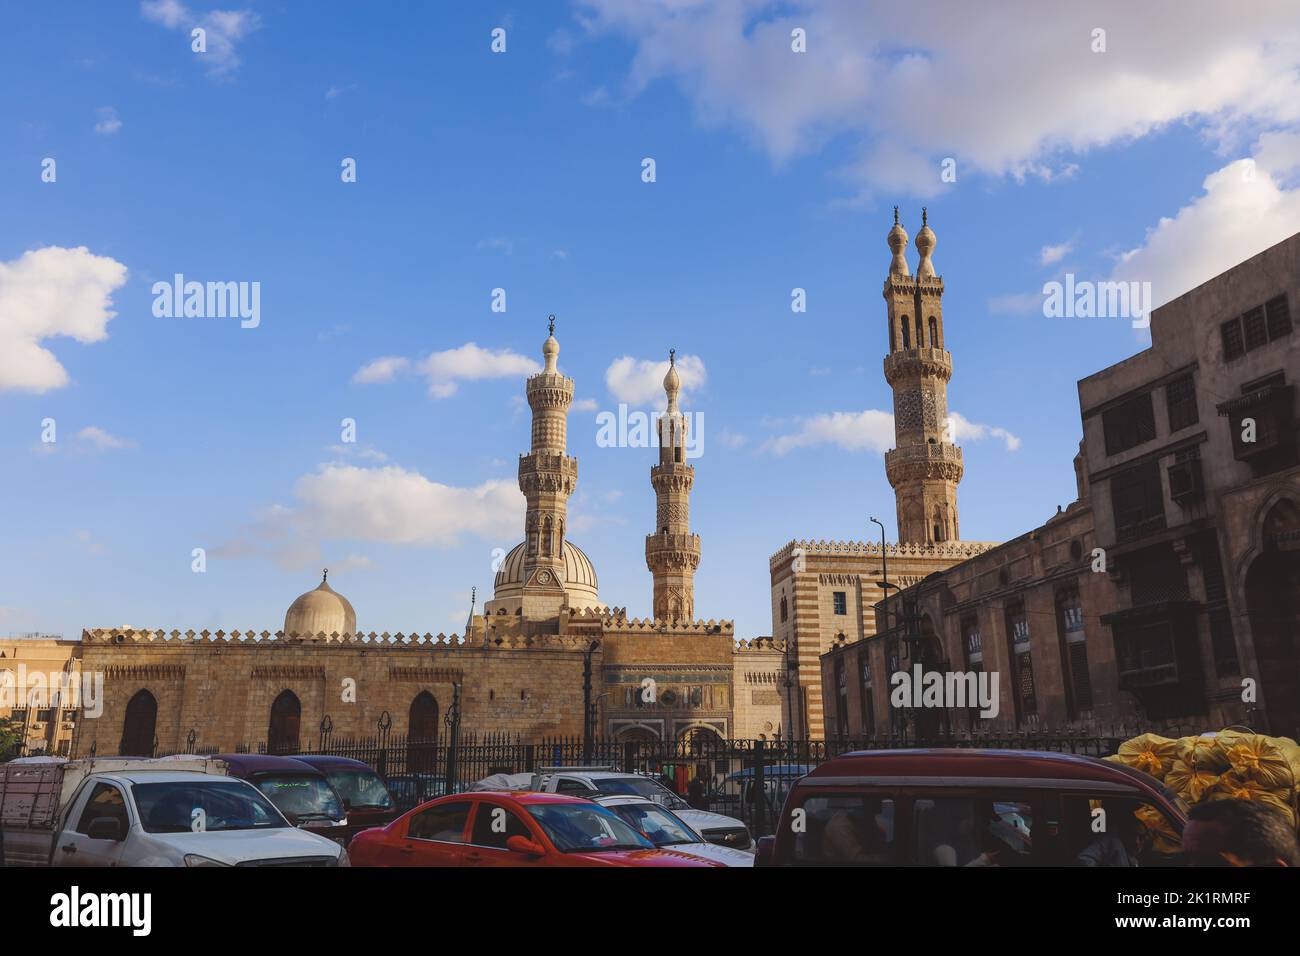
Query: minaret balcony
point(667, 543)
point(927, 461)
point(912, 364)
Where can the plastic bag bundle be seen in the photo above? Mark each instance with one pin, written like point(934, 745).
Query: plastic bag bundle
point(1190, 781)
point(1164, 838)
point(1229, 788)
point(1271, 762)
point(1149, 753)
point(1203, 752)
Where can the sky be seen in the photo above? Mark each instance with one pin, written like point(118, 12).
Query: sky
point(500, 147)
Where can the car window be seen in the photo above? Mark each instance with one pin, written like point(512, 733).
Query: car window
point(494, 825)
point(971, 831)
point(1117, 832)
point(662, 826)
point(844, 829)
point(570, 785)
point(444, 823)
point(105, 801)
point(219, 803)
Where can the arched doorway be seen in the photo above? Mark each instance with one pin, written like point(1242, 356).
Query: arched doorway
point(1273, 607)
point(931, 722)
point(422, 733)
point(286, 715)
point(139, 726)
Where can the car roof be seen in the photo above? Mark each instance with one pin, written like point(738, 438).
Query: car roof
point(332, 762)
point(963, 762)
point(267, 763)
point(167, 776)
point(527, 797)
point(623, 799)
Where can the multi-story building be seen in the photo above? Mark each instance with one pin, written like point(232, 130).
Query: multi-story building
point(40, 688)
point(1168, 594)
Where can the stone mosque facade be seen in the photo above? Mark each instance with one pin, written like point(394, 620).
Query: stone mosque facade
point(520, 664)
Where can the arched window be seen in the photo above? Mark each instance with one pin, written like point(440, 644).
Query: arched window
point(422, 720)
point(139, 726)
point(920, 334)
point(934, 334)
point(907, 334)
point(785, 610)
point(286, 715)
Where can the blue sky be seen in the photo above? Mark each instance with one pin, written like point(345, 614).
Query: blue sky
point(1162, 158)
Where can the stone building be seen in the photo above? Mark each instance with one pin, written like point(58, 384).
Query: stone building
point(1168, 594)
point(40, 683)
point(824, 593)
point(520, 664)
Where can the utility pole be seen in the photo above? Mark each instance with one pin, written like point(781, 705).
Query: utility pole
point(588, 717)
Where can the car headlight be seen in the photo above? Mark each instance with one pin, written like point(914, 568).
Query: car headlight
point(343, 859)
point(193, 859)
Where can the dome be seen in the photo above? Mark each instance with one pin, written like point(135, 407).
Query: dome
point(579, 577)
point(320, 611)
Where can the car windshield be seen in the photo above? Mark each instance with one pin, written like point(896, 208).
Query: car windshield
point(216, 806)
point(584, 828)
point(639, 787)
point(306, 797)
point(663, 827)
point(361, 789)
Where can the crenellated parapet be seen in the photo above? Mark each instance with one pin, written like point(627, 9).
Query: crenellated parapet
point(959, 550)
point(130, 637)
point(625, 625)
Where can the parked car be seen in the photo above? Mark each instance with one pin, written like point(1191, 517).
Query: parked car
point(952, 807)
point(409, 790)
point(518, 828)
point(667, 830)
point(777, 782)
point(159, 816)
point(716, 828)
point(299, 791)
point(366, 799)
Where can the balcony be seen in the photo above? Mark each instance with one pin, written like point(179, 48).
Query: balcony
point(1271, 410)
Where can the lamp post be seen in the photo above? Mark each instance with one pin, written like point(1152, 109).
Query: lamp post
point(588, 708)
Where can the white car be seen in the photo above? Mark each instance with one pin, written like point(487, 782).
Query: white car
point(181, 818)
point(666, 830)
point(581, 781)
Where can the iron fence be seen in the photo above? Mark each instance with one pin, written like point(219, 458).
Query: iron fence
point(745, 779)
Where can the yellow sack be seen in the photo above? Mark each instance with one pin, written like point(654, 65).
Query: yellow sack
point(1203, 752)
point(1271, 762)
point(1190, 782)
point(1149, 753)
point(1231, 787)
point(1164, 838)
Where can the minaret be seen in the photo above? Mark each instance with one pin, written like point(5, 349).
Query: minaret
point(672, 553)
point(926, 466)
point(547, 476)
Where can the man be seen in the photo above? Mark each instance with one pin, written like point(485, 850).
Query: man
point(1238, 833)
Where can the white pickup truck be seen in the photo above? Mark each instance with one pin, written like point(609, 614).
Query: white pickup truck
point(122, 811)
point(606, 781)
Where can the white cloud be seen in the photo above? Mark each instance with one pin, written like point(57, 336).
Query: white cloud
point(924, 95)
point(102, 440)
point(380, 370)
point(49, 292)
point(870, 430)
point(469, 362)
point(109, 122)
point(1050, 255)
point(445, 370)
point(585, 405)
point(1016, 303)
point(384, 505)
point(732, 439)
point(962, 430)
point(224, 29)
point(1246, 207)
point(641, 381)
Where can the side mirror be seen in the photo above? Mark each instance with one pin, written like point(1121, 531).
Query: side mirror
point(106, 828)
point(519, 844)
point(765, 851)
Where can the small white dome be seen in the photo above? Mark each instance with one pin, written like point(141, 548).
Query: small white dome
point(579, 577)
point(320, 611)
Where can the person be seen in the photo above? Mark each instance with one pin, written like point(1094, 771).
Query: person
point(854, 835)
point(695, 794)
point(1235, 832)
point(1116, 845)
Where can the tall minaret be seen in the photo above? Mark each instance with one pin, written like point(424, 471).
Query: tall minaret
point(547, 476)
point(672, 552)
point(926, 466)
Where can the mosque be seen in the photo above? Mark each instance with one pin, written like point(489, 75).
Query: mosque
point(520, 666)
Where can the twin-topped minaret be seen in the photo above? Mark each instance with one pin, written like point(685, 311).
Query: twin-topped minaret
point(926, 466)
point(673, 553)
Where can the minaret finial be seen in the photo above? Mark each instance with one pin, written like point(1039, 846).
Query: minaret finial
point(551, 325)
point(672, 356)
point(924, 213)
point(324, 575)
point(895, 215)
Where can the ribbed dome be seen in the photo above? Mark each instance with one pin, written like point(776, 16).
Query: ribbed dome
point(320, 611)
point(579, 577)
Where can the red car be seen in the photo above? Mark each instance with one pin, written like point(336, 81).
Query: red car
point(511, 829)
point(974, 808)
